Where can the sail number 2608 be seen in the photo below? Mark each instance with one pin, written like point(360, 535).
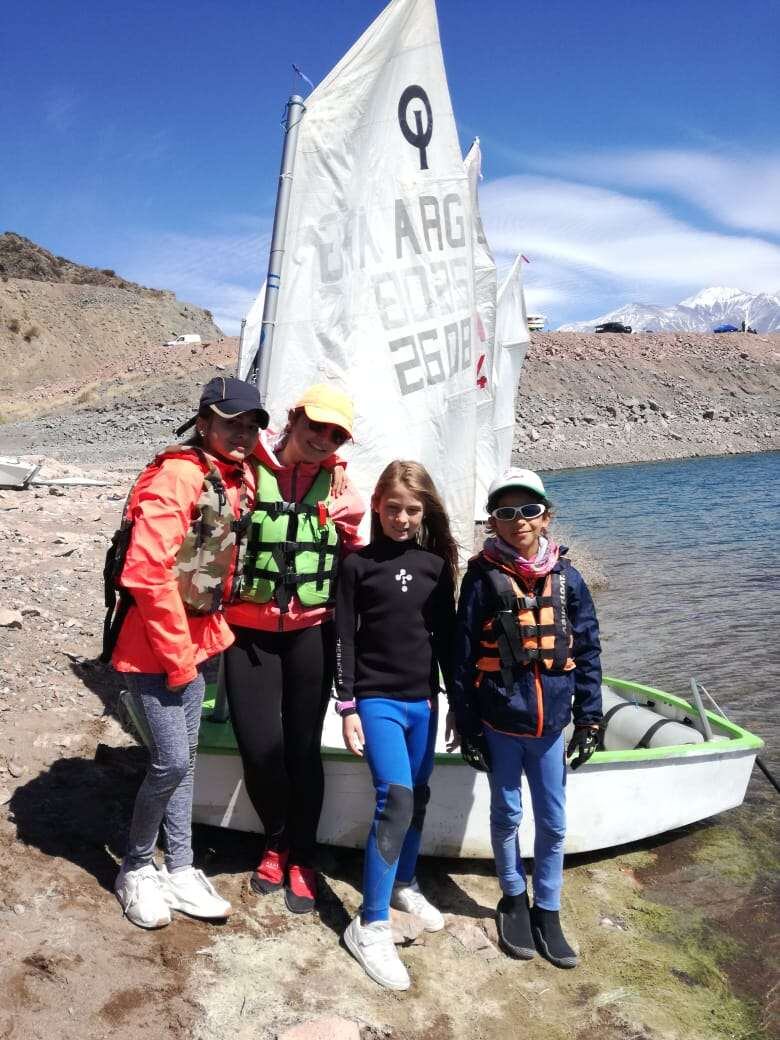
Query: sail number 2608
point(429, 357)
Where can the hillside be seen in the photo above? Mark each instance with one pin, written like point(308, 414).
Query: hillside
point(61, 321)
point(588, 400)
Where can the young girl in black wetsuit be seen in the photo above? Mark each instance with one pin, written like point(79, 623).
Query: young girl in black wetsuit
point(395, 617)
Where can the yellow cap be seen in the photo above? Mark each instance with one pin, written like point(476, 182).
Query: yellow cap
point(324, 403)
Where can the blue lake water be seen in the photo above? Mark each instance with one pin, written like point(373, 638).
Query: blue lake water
point(690, 551)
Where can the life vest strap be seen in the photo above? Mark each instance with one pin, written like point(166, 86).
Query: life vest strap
point(282, 508)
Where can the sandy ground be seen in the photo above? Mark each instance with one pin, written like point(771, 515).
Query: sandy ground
point(677, 937)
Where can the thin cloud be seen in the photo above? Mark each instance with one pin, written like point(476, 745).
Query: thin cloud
point(598, 249)
point(220, 272)
point(739, 191)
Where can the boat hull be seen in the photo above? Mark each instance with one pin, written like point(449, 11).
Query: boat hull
point(618, 797)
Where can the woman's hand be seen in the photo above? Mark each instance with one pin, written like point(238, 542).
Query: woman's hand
point(451, 735)
point(338, 484)
point(352, 731)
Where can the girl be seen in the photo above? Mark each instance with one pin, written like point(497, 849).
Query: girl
point(526, 647)
point(279, 671)
point(395, 615)
point(180, 530)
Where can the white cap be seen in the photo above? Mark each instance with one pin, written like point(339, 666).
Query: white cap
point(517, 478)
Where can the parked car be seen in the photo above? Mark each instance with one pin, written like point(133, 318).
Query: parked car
point(613, 326)
point(725, 328)
point(190, 340)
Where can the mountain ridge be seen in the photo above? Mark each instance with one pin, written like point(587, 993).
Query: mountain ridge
point(701, 312)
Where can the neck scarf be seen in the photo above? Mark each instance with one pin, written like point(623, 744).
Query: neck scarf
point(530, 571)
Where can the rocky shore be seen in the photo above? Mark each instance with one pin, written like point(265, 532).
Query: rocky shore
point(673, 933)
point(584, 400)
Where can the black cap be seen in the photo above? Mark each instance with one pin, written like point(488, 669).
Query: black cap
point(229, 397)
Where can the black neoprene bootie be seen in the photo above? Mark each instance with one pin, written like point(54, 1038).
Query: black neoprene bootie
point(549, 938)
point(514, 926)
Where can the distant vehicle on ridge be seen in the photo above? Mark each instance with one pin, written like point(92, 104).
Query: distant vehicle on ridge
point(184, 341)
point(535, 322)
point(613, 326)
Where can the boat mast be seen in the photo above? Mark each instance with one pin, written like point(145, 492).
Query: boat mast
point(261, 363)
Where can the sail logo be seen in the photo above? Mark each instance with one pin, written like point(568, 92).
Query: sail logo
point(417, 137)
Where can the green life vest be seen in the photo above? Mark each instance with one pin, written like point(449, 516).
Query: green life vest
point(292, 547)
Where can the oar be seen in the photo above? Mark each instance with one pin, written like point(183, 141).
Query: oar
point(761, 765)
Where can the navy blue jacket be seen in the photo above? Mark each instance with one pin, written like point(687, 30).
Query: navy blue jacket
point(517, 711)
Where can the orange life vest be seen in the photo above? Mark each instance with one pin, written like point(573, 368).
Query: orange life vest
point(526, 629)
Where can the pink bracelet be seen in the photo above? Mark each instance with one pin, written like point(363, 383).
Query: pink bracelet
point(342, 706)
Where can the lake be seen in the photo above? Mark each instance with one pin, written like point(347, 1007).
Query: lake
point(690, 551)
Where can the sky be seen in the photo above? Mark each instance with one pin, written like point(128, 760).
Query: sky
point(630, 150)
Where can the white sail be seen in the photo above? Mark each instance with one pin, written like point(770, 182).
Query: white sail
point(485, 299)
point(512, 341)
point(250, 338)
point(377, 286)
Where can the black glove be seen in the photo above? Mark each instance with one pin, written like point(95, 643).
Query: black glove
point(586, 740)
point(474, 749)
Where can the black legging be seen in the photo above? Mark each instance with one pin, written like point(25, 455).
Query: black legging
point(278, 685)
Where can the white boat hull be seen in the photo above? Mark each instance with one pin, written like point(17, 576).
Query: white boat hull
point(609, 802)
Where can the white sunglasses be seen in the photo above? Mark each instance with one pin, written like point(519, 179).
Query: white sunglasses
point(531, 511)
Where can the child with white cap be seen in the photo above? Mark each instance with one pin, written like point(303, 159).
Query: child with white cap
point(527, 657)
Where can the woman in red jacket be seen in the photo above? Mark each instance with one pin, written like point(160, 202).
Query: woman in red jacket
point(178, 571)
point(279, 671)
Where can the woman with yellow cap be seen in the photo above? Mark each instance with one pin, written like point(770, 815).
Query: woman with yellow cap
point(279, 671)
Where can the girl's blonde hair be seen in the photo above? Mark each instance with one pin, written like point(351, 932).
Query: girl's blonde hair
point(434, 534)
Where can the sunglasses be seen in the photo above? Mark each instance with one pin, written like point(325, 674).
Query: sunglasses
point(532, 511)
point(334, 434)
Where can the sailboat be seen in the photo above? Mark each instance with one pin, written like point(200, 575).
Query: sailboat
point(381, 279)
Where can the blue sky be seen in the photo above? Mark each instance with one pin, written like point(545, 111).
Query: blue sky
point(632, 150)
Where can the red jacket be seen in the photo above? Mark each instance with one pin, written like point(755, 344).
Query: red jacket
point(347, 511)
point(158, 635)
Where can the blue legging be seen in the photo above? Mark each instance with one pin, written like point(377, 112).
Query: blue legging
point(400, 738)
point(542, 761)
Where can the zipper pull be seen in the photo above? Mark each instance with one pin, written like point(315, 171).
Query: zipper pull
point(322, 513)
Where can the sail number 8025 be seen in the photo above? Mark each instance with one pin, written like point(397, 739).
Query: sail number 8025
point(426, 358)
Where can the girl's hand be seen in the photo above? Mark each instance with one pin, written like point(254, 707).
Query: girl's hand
point(352, 731)
point(451, 735)
point(338, 484)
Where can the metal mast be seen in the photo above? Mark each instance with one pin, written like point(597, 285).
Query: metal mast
point(261, 363)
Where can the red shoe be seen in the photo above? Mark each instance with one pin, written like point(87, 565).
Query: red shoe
point(269, 876)
point(301, 889)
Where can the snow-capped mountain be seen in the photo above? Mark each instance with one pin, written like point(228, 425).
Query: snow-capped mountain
point(699, 313)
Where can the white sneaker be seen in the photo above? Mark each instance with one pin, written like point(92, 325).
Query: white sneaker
point(410, 899)
point(141, 897)
point(373, 948)
point(190, 891)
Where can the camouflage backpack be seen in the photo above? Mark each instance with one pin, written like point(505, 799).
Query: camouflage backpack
point(204, 558)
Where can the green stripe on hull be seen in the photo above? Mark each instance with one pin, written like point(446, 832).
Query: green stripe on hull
point(217, 738)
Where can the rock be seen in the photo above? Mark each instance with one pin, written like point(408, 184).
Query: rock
point(533, 434)
point(19, 909)
point(56, 491)
point(15, 768)
point(468, 935)
point(10, 618)
point(330, 1028)
point(406, 928)
point(708, 413)
point(488, 925)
